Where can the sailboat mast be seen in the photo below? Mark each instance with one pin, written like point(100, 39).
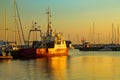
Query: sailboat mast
point(5, 23)
point(112, 32)
point(16, 22)
point(15, 19)
point(118, 33)
point(114, 35)
point(93, 33)
point(90, 35)
point(20, 21)
point(5, 26)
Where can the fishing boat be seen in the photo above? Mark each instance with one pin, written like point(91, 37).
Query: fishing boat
point(51, 44)
point(28, 51)
point(56, 47)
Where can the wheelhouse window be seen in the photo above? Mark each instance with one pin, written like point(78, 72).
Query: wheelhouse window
point(58, 42)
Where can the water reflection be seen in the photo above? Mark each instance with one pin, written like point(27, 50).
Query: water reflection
point(58, 66)
point(72, 67)
point(53, 68)
point(6, 60)
point(94, 66)
point(97, 67)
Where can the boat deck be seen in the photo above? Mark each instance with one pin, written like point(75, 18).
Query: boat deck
point(6, 57)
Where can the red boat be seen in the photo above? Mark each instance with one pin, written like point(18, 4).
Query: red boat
point(51, 44)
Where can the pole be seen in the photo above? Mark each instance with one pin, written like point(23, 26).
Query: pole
point(15, 18)
point(112, 32)
point(93, 33)
point(5, 26)
point(20, 23)
point(118, 33)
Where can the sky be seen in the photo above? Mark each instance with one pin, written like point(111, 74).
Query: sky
point(74, 18)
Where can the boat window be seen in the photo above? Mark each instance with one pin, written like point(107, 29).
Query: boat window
point(59, 42)
point(50, 44)
point(62, 42)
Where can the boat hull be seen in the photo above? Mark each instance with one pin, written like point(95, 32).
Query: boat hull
point(30, 53)
point(51, 52)
point(102, 48)
point(27, 53)
point(89, 48)
point(5, 57)
point(15, 54)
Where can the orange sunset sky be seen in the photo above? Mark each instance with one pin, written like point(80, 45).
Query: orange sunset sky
point(74, 18)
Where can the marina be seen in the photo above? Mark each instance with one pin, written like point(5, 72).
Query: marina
point(101, 47)
point(59, 40)
point(50, 43)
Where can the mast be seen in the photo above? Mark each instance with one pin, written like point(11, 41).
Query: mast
point(19, 21)
point(36, 31)
point(98, 38)
point(49, 29)
point(90, 34)
point(77, 35)
point(112, 32)
point(33, 31)
point(115, 35)
point(5, 26)
point(0, 33)
point(118, 33)
point(44, 30)
point(93, 33)
point(15, 19)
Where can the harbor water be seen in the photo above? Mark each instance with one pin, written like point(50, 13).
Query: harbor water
point(89, 65)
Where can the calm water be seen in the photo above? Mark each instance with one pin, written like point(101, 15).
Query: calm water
point(77, 66)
